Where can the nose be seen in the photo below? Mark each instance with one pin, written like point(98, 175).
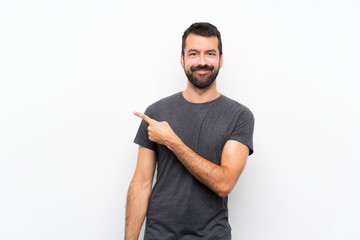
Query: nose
point(202, 59)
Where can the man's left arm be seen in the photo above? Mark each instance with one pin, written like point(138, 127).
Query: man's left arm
point(220, 179)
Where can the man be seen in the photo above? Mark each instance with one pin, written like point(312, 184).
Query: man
point(199, 140)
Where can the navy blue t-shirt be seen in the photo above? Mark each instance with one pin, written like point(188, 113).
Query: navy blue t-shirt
point(181, 207)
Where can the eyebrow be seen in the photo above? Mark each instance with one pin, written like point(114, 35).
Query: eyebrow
point(193, 50)
point(211, 50)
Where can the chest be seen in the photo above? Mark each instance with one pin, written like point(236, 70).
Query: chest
point(204, 130)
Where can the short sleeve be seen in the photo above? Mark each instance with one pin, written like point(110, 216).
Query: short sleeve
point(244, 129)
point(142, 137)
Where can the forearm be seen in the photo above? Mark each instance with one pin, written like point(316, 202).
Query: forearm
point(210, 174)
point(136, 207)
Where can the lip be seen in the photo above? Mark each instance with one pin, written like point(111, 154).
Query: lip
point(202, 71)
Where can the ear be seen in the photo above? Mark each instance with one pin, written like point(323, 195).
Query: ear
point(221, 60)
point(182, 61)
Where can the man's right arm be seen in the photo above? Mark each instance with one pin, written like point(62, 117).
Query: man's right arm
point(139, 193)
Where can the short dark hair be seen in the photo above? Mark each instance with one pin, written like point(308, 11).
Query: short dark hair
point(203, 29)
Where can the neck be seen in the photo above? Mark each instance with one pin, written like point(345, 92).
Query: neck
point(197, 95)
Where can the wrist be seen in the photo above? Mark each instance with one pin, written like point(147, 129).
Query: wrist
point(173, 142)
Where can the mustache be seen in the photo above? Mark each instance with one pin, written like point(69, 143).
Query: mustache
point(202, 67)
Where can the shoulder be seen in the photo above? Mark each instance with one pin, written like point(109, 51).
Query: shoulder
point(237, 108)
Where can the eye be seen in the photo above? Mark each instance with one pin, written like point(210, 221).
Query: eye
point(192, 54)
point(211, 53)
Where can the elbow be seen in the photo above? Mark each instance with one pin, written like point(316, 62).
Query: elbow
point(222, 194)
point(223, 191)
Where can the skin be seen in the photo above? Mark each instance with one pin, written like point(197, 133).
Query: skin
point(219, 178)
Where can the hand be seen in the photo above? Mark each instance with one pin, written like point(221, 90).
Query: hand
point(159, 132)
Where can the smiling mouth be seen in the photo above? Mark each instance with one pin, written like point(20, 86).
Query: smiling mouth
point(201, 72)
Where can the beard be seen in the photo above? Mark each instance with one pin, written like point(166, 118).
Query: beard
point(202, 81)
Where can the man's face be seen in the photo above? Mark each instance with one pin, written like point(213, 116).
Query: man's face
point(201, 60)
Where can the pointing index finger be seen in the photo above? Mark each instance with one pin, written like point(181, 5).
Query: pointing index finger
point(143, 116)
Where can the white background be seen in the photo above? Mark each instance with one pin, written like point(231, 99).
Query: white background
point(73, 71)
